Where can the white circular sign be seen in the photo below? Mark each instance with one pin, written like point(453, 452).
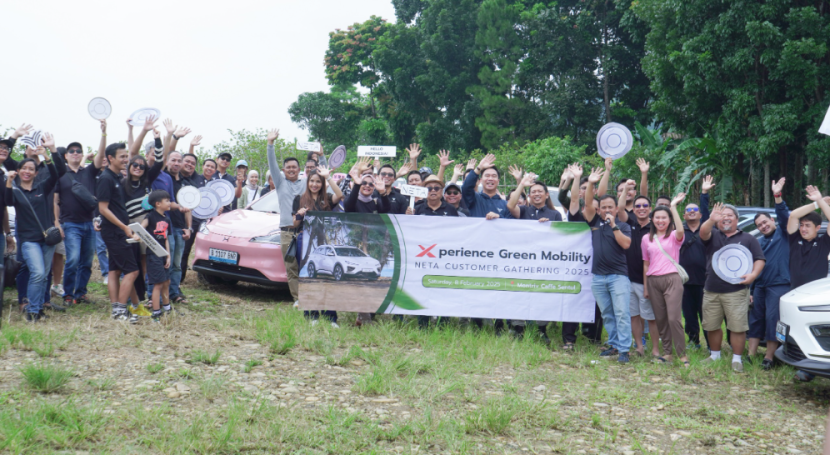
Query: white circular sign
point(99, 108)
point(138, 117)
point(189, 197)
point(224, 189)
point(614, 141)
point(208, 204)
point(732, 262)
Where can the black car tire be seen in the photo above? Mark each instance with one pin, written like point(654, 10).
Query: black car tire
point(312, 270)
point(338, 272)
point(208, 279)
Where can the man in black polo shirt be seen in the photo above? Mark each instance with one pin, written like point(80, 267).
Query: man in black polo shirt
point(76, 218)
point(539, 206)
point(223, 161)
point(398, 203)
point(115, 230)
point(693, 259)
point(610, 284)
point(191, 178)
point(435, 204)
point(640, 307)
point(726, 300)
point(808, 250)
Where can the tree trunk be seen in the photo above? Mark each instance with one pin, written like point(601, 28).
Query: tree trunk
point(603, 61)
point(754, 183)
point(825, 185)
point(764, 184)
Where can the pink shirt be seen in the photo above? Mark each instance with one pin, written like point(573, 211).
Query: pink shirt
point(658, 264)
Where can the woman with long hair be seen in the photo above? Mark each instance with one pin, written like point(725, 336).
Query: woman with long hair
point(34, 213)
point(661, 277)
point(315, 198)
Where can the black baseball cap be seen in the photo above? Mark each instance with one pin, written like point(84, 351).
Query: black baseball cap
point(73, 144)
point(8, 142)
point(230, 157)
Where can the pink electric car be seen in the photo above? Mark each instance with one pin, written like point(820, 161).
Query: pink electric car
point(242, 245)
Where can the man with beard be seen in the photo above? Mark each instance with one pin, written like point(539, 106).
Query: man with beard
point(726, 300)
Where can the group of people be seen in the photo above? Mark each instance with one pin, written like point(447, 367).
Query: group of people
point(652, 265)
point(73, 206)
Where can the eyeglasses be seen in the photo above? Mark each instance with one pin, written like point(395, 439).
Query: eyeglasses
point(452, 193)
point(387, 174)
point(641, 206)
point(139, 166)
point(692, 209)
point(369, 184)
point(434, 188)
point(74, 151)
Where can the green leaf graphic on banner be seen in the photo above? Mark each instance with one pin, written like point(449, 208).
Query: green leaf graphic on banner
point(405, 301)
point(563, 227)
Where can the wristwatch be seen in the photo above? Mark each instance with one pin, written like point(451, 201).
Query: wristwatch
point(615, 228)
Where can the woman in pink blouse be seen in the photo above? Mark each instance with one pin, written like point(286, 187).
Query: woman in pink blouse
point(663, 285)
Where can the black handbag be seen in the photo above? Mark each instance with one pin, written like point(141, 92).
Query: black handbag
point(51, 236)
point(82, 194)
point(10, 268)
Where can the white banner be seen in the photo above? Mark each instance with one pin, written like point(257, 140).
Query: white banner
point(377, 150)
point(308, 146)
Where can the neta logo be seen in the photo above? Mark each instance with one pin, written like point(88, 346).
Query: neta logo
point(425, 252)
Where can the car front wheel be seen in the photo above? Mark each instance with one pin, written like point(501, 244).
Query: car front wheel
point(312, 270)
point(338, 272)
point(208, 279)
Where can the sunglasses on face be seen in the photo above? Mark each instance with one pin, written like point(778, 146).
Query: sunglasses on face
point(369, 184)
point(641, 206)
point(74, 151)
point(139, 166)
point(452, 193)
point(221, 158)
point(692, 209)
point(387, 174)
point(433, 188)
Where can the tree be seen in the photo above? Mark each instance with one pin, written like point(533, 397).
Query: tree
point(331, 118)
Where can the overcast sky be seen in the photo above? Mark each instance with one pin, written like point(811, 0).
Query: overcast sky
point(211, 66)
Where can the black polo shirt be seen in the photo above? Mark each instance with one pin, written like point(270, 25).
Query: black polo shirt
point(195, 179)
point(71, 211)
point(693, 256)
point(808, 260)
point(109, 190)
point(398, 203)
point(719, 240)
point(529, 212)
point(634, 254)
point(609, 256)
point(444, 210)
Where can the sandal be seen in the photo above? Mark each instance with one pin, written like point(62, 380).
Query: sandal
point(568, 347)
point(686, 364)
point(180, 299)
point(659, 360)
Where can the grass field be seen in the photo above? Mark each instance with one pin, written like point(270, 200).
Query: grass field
point(238, 370)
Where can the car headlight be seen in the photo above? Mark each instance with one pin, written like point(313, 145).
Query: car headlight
point(203, 228)
point(353, 264)
point(820, 330)
point(272, 237)
point(818, 309)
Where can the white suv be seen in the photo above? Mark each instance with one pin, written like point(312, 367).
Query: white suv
point(804, 328)
point(342, 261)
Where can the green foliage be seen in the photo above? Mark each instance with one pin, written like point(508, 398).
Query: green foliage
point(199, 356)
point(252, 147)
point(45, 378)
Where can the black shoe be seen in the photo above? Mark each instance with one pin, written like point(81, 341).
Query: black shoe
point(51, 306)
point(518, 332)
point(544, 337)
point(82, 299)
point(767, 364)
point(68, 301)
point(609, 352)
point(32, 317)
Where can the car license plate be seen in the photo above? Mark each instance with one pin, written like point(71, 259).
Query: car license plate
point(228, 257)
point(781, 331)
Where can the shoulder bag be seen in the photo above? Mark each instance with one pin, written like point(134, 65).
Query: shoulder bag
point(684, 276)
point(82, 194)
point(51, 236)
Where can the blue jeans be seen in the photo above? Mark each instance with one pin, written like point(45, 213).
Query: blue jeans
point(38, 259)
point(176, 249)
point(613, 293)
point(101, 250)
point(80, 248)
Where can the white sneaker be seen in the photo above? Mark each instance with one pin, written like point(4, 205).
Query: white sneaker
point(334, 325)
point(314, 322)
point(297, 304)
point(106, 280)
point(57, 289)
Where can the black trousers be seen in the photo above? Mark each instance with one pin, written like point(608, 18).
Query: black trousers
point(591, 331)
point(693, 312)
point(188, 246)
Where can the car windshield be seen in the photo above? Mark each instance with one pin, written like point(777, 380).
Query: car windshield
point(352, 252)
point(269, 203)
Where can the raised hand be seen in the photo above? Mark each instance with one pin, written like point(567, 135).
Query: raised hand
point(487, 162)
point(575, 170)
point(629, 184)
point(778, 186)
point(273, 135)
point(516, 172)
point(182, 132)
point(156, 133)
point(471, 164)
point(444, 156)
point(48, 141)
point(414, 151)
point(197, 140)
point(566, 175)
point(678, 199)
point(10, 175)
point(457, 170)
point(528, 179)
point(813, 193)
point(717, 213)
point(380, 185)
point(22, 130)
point(596, 175)
point(104, 127)
point(643, 165)
point(609, 164)
point(324, 172)
point(404, 169)
point(363, 164)
point(129, 125)
point(149, 123)
point(168, 125)
point(708, 184)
